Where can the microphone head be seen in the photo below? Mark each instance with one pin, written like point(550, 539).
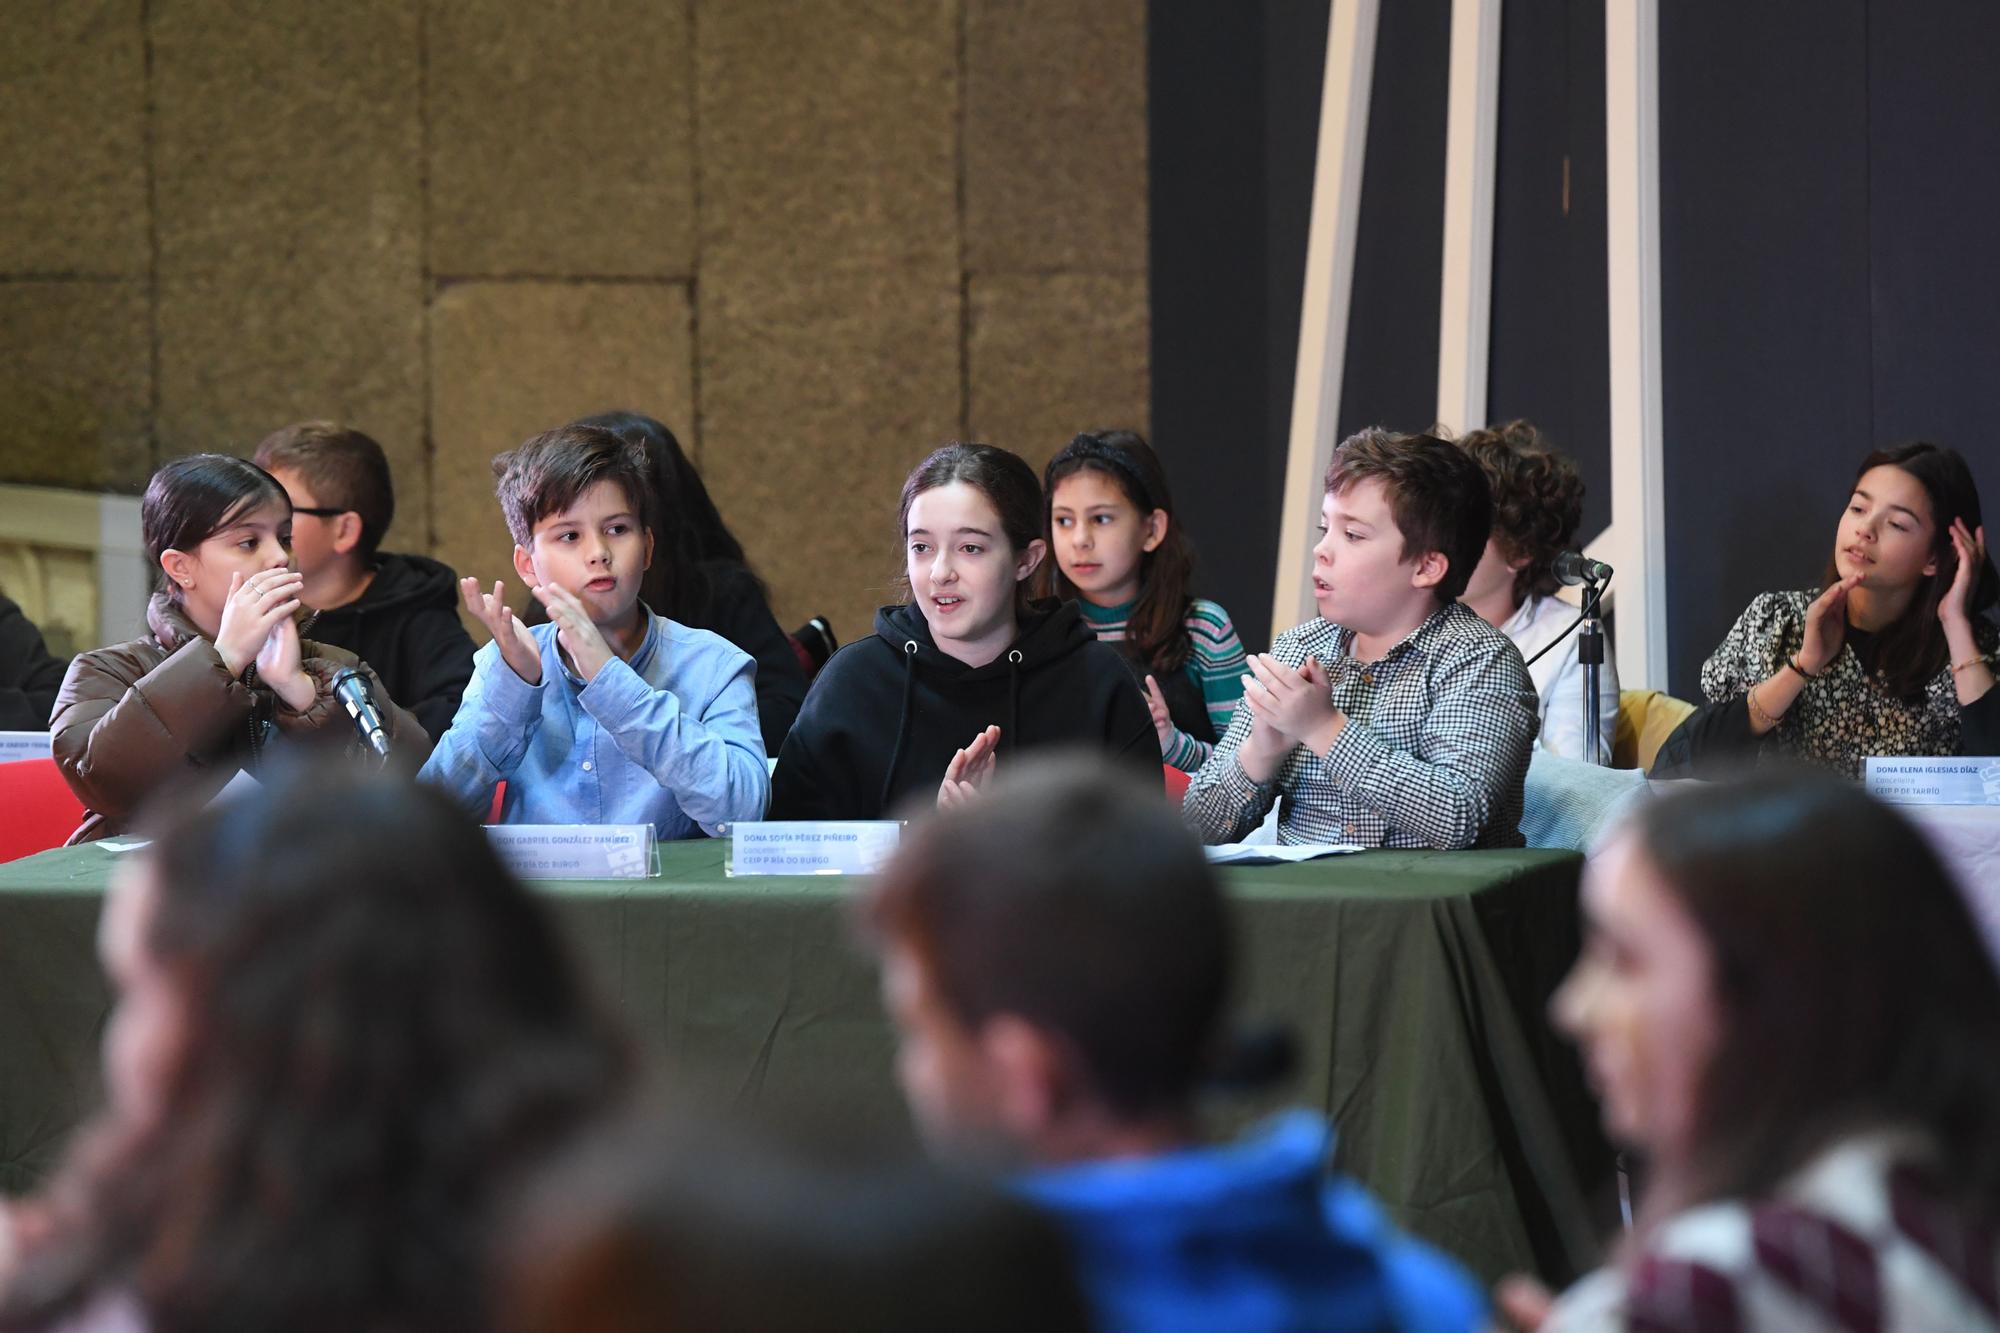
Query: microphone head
point(1574, 567)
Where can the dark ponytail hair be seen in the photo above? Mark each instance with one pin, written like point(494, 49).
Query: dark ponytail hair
point(1158, 625)
point(1004, 478)
point(1912, 650)
point(193, 498)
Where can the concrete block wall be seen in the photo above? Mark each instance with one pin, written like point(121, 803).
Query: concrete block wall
point(815, 237)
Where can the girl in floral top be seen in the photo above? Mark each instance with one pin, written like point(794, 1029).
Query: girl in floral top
point(1890, 657)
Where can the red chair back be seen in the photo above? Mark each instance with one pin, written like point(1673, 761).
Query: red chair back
point(41, 809)
point(1177, 783)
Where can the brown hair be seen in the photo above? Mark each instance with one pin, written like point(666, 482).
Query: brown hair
point(1853, 985)
point(1158, 624)
point(547, 474)
point(1004, 478)
point(191, 499)
point(346, 470)
point(1537, 501)
point(381, 1032)
point(1438, 495)
point(1913, 650)
point(1077, 900)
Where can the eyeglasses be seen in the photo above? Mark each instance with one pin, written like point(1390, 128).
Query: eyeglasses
point(321, 512)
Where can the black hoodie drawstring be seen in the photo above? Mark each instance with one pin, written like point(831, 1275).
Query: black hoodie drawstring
point(1013, 700)
point(902, 720)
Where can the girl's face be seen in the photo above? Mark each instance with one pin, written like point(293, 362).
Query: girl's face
point(146, 1033)
point(1101, 537)
point(257, 539)
point(1887, 533)
point(963, 570)
point(1641, 1004)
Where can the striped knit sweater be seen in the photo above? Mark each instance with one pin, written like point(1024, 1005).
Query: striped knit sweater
point(1215, 664)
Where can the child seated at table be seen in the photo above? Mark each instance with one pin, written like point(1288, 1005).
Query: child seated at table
point(609, 713)
point(1396, 717)
point(1056, 960)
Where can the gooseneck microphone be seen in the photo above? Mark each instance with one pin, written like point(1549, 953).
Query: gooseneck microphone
point(1574, 567)
point(351, 688)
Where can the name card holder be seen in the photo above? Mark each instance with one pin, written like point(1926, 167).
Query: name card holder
point(577, 851)
point(811, 846)
point(1934, 780)
point(23, 745)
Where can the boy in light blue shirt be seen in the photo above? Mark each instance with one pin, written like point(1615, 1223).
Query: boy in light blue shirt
point(607, 714)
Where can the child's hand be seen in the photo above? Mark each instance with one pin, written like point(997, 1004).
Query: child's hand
point(1955, 606)
point(252, 609)
point(518, 648)
point(1826, 627)
point(1295, 703)
point(1163, 723)
point(969, 770)
point(1524, 1301)
point(279, 667)
point(575, 630)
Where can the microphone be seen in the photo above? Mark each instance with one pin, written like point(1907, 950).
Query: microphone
point(351, 688)
point(1574, 567)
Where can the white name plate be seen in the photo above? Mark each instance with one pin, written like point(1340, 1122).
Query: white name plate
point(812, 846)
point(576, 851)
point(1935, 780)
point(23, 745)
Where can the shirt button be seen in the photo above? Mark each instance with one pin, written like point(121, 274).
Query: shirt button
point(586, 765)
point(1350, 830)
point(1367, 678)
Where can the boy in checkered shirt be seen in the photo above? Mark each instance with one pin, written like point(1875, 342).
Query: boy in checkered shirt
point(1396, 717)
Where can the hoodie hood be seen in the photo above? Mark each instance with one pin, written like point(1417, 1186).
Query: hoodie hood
point(1049, 630)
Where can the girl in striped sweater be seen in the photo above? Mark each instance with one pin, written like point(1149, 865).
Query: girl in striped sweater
point(1121, 556)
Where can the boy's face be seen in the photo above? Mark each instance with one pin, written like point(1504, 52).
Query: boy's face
point(952, 1089)
point(595, 549)
point(1361, 581)
point(312, 535)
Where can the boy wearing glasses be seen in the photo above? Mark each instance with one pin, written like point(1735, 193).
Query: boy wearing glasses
point(398, 613)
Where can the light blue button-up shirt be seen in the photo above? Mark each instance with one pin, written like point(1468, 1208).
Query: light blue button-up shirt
point(669, 739)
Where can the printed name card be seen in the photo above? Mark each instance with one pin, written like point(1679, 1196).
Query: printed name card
point(23, 745)
point(576, 851)
point(812, 846)
point(1935, 780)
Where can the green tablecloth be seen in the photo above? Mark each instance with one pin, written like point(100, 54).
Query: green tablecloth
point(1415, 983)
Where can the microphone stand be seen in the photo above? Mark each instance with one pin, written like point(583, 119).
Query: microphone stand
point(1590, 654)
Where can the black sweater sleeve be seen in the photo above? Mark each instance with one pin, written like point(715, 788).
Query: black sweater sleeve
point(1979, 724)
point(29, 675)
point(1710, 737)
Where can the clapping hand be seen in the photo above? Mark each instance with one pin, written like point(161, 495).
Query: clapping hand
point(518, 648)
point(575, 630)
point(1293, 702)
point(969, 770)
point(1826, 626)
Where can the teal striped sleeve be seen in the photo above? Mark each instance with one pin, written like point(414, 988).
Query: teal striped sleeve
point(1215, 664)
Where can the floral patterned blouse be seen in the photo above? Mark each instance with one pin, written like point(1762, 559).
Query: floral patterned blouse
point(1847, 714)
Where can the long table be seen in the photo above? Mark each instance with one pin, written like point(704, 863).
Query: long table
point(1415, 984)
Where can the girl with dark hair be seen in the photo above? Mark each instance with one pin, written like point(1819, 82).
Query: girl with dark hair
point(1121, 556)
point(1890, 656)
point(328, 1057)
point(1537, 504)
point(1786, 1006)
point(968, 668)
point(700, 576)
point(223, 668)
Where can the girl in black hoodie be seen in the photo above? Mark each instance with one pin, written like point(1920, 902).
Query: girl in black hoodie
point(967, 672)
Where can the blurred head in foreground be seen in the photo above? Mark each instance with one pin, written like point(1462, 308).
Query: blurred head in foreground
point(651, 1231)
point(339, 1026)
point(1772, 965)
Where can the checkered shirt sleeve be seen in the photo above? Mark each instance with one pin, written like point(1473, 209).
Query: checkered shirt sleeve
point(1434, 754)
